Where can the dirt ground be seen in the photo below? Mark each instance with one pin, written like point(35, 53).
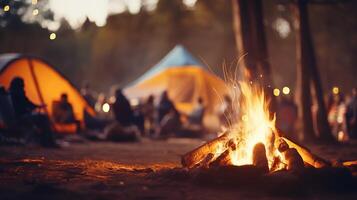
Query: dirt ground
point(146, 170)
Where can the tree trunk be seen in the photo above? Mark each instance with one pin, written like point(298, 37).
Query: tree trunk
point(259, 41)
point(303, 72)
point(323, 127)
point(250, 38)
point(251, 43)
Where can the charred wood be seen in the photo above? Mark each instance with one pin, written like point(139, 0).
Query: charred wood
point(197, 155)
point(259, 157)
point(307, 156)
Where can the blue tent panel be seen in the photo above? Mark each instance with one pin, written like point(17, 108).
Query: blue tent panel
point(178, 56)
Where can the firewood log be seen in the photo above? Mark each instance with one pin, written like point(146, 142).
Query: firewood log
point(350, 163)
point(259, 157)
point(293, 159)
point(277, 164)
point(282, 145)
point(206, 161)
point(307, 156)
point(222, 160)
point(231, 145)
point(195, 156)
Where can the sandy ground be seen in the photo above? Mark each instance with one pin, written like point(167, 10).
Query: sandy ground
point(146, 170)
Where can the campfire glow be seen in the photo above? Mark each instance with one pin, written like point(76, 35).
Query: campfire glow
point(251, 129)
point(254, 125)
point(251, 137)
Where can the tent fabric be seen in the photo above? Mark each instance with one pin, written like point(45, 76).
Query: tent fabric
point(178, 56)
point(185, 79)
point(184, 85)
point(51, 84)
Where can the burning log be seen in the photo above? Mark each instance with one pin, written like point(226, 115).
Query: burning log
point(306, 155)
point(223, 160)
point(259, 157)
point(293, 159)
point(206, 161)
point(277, 164)
point(197, 155)
point(231, 145)
point(350, 163)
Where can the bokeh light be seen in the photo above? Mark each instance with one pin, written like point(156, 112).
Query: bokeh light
point(335, 90)
point(35, 12)
point(106, 107)
point(276, 92)
point(282, 26)
point(53, 36)
point(6, 8)
point(286, 90)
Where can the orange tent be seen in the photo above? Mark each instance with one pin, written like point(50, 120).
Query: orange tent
point(43, 84)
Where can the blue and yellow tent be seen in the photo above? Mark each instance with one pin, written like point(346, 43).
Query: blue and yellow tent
point(184, 77)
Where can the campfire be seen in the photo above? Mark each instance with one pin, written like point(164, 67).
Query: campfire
point(252, 138)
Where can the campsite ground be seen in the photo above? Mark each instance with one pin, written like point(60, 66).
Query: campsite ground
point(146, 170)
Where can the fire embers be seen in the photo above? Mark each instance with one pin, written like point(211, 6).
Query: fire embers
point(292, 158)
point(214, 159)
point(221, 152)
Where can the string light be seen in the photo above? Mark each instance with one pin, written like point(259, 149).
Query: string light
point(335, 90)
point(106, 107)
point(35, 12)
point(276, 92)
point(53, 36)
point(286, 90)
point(6, 8)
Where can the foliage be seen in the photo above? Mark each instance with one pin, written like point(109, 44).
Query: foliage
point(130, 44)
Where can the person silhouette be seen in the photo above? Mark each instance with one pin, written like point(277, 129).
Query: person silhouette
point(26, 110)
point(63, 112)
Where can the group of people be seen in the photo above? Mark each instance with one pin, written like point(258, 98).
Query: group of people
point(342, 115)
point(154, 117)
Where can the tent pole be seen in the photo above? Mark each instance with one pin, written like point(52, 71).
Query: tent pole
point(37, 86)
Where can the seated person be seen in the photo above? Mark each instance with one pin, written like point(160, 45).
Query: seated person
point(196, 117)
point(63, 112)
point(164, 107)
point(148, 109)
point(125, 127)
point(122, 110)
point(170, 124)
point(25, 110)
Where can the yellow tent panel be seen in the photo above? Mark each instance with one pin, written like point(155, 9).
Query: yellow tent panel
point(184, 85)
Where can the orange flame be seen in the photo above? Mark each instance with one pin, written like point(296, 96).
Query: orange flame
point(252, 122)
